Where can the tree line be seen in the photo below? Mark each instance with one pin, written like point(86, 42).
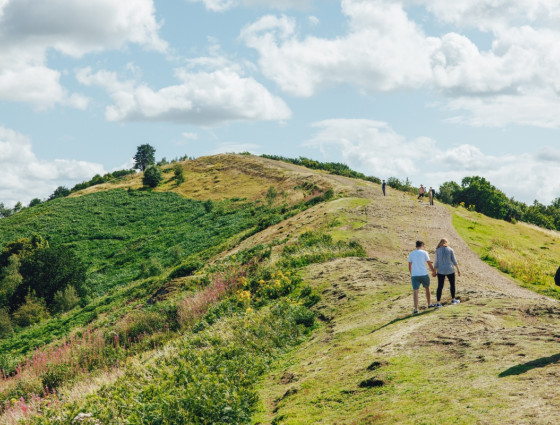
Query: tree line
point(479, 194)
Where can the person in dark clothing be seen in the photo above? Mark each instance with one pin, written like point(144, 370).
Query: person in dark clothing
point(557, 277)
point(384, 186)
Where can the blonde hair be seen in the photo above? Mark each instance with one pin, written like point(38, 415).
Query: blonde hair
point(441, 243)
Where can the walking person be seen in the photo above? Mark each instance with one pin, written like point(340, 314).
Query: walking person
point(417, 261)
point(557, 277)
point(431, 195)
point(421, 191)
point(444, 265)
point(383, 187)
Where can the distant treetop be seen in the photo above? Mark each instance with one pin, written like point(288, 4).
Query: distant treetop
point(145, 156)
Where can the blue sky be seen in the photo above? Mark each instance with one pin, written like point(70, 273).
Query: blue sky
point(431, 90)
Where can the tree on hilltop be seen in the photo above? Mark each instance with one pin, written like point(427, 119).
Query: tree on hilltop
point(145, 156)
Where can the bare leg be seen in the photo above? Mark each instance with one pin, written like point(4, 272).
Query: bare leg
point(415, 299)
point(428, 295)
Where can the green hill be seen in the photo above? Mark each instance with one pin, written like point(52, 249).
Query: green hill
point(221, 300)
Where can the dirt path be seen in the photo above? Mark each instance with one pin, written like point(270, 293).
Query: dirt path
point(494, 356)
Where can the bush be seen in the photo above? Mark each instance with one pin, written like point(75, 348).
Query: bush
point(6, 328)
point(152, 176)
point(179, 175)
point(55, 376)
point(65, 300)
point(32, 311)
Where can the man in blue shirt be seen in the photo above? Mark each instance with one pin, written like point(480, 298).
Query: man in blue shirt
point(417, 261)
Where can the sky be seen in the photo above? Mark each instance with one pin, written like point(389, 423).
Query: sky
point(429, 90)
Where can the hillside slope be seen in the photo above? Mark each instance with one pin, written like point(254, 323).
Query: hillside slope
point(366, 360)
point(492, 357)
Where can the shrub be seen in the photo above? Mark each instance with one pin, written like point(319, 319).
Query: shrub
point(32, 311)
point(178, 173)
point(6, 328)
point(152, 176)
point(65, 300)
point(10, 279)
point(55, 376)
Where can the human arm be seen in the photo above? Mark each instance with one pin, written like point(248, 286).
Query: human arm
point(431, 266)
point(410, 267)
point(455, 263)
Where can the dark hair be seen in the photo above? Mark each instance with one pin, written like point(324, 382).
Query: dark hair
point(419, 244)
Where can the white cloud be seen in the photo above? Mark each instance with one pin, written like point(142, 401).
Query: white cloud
point(223, 5)
point(374, 148)
point(202, 98)
point(29, 29)
point(384, 49)
point(493, 15)
point(25, 177)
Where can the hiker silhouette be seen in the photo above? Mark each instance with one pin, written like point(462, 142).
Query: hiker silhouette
point(557, 277)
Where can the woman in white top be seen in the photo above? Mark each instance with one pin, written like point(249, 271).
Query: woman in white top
point(444, 264)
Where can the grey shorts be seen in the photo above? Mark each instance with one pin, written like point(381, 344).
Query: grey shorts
point(417, 280)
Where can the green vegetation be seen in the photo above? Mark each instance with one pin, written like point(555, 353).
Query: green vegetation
point(479, 194)
point(98, 179)
point(144, 157)
point(528, 254)
point(144, 294)
point(152, 176)
point(405, 186)
point(244, 315)
point(178, 174)
point(185, 315)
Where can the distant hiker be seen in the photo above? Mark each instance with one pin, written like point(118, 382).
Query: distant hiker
point(431, 195)
point(557, 277)
point(421, 191)
point(417, 261)
point(383, 186)
point(444, 262)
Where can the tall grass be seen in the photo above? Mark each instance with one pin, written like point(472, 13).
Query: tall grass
point(504, 255)
point(528, 254)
